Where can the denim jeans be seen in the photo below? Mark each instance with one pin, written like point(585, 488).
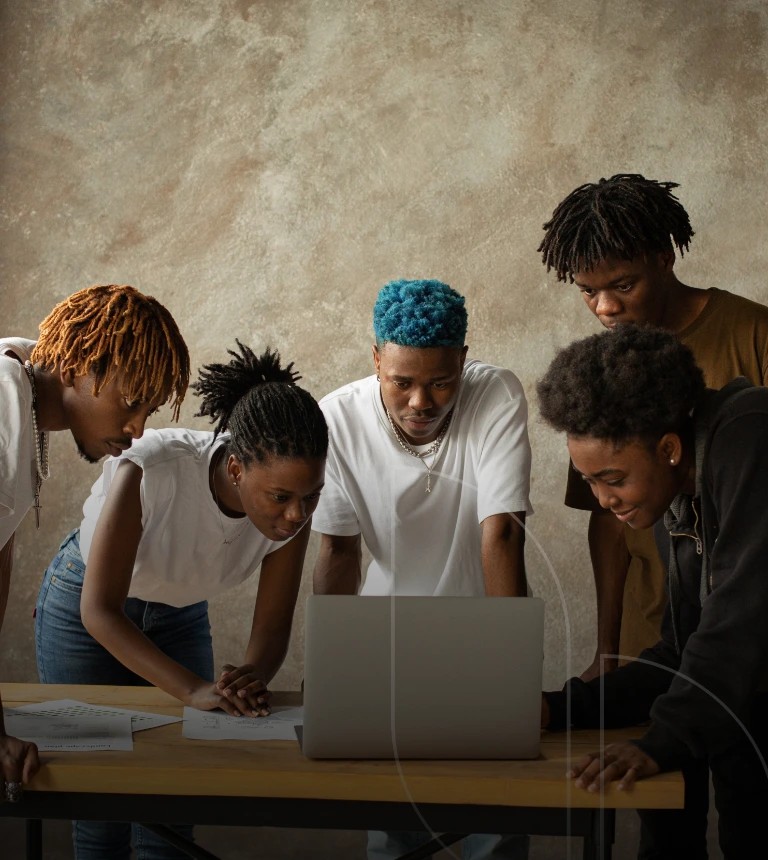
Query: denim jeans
point(387, 845)
point(68, 654)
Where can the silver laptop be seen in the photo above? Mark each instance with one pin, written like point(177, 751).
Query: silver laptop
point(423, 677)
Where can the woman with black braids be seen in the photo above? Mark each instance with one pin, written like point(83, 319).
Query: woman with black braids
point(179, 517)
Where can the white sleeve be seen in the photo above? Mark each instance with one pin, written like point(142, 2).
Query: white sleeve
point(19, 346)
point(335, 513)
point(504, 455)
point(16, 410)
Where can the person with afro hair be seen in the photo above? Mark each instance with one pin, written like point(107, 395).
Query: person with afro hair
point(429, 465)
point(658, 449)
point(616, 240)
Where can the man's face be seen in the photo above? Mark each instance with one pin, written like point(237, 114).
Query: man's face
point(103, 424)
point(628, 291)
point(419, 386)
point(633, 482)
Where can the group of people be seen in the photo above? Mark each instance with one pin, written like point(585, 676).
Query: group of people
point(427, 461)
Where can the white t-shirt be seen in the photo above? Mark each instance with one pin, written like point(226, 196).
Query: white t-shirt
point(425, 543)
point(182, 557)
point(17, 453)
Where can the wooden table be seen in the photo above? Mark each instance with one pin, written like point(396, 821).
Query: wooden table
point(168, 778)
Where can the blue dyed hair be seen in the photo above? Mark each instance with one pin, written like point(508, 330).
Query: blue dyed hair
point(421, 313)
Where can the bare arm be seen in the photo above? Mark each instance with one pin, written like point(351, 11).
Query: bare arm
point(338, 566)
point(18, 759)
point(271, 629)
point(610, 563)
point(6, 565)
point(503, 542)
point(107, 581)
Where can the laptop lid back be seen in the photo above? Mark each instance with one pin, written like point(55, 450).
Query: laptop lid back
point(422, 677)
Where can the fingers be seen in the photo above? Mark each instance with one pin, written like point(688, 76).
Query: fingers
point(628, 780)
point(624, 762)
point(245, 690)
point(31, 764)
point(18, 764)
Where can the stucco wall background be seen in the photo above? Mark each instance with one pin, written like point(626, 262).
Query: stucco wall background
point(264, 167)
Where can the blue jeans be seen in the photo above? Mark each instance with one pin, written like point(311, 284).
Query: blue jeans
point(68, 654)
point(383, 845)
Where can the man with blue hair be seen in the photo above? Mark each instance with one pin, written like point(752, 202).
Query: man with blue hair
point(429, 464)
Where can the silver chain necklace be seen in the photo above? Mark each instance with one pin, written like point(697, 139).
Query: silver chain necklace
point(421, 455)
point(217, 458)
point(42, 471)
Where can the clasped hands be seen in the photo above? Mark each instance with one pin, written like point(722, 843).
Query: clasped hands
point(239, 692)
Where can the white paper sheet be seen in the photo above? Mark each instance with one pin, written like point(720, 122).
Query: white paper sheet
point(216, 725)
point(72, 708)
point(60, 733)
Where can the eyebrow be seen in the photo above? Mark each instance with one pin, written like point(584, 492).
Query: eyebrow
point(612, 283)
point(601, 474)
point(401, 378)
point(290, 492)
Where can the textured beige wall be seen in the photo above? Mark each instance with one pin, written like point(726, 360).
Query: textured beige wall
point(263, 167)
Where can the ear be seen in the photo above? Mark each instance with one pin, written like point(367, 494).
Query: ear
point(463, 357)
point(670, 449)
point(376, 358)
point(67, 378)
point(234, 469)
point(666, 260)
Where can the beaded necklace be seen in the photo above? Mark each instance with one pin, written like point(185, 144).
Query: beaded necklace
point(41, 445)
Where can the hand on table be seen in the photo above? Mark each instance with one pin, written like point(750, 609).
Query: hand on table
point(18, 763)
point(241, 686)
point(625, 762)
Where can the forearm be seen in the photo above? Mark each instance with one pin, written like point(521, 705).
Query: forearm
point(115, 632)
point(610, 563)
point(619, 698)
point(338, 569)
point(6, 564)
point(503, 558)
point(266, 652)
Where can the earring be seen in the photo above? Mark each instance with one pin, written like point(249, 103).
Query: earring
point(234, 483)
point(672, 461)
point(378, 378)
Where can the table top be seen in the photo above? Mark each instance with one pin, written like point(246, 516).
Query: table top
point(163, 762)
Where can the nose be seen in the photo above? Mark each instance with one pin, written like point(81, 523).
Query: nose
point(296, 512)
point(607, 304)
point(606, 497)
point(419, 400)
point(134, 426)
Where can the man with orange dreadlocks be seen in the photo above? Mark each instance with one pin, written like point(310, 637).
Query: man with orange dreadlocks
point(107, 358)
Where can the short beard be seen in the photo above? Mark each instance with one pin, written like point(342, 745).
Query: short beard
point(84, 454)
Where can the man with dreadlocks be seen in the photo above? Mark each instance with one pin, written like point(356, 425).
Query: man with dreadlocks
point(615, 240)
point(179, 518)
point(429, 464)
point(107, 357)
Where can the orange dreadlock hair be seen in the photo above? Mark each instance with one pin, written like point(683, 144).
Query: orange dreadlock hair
point(111, 330)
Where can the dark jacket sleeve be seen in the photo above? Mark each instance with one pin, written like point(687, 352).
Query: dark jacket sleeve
point(724, 660)
point(619, 698)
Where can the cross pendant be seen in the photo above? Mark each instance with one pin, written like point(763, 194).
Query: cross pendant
point(429, 483)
